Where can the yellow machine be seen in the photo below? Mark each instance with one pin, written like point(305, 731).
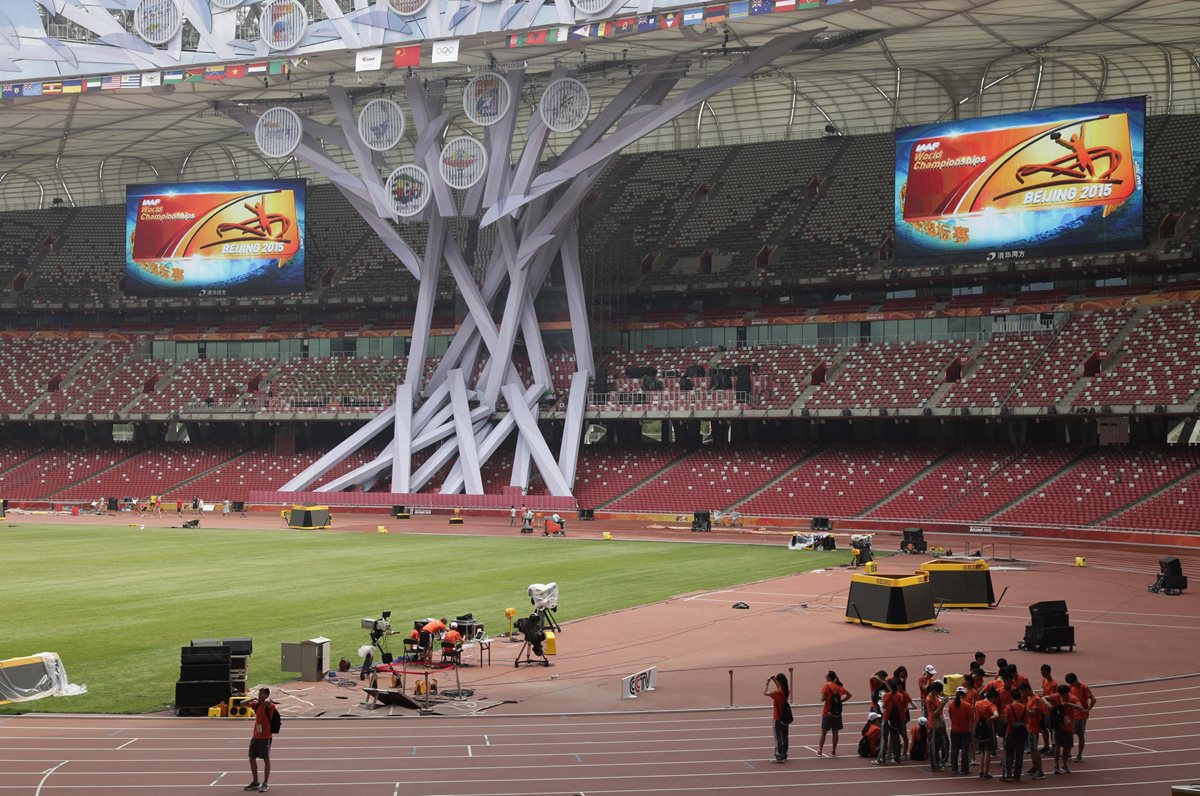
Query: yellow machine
point(550, 645)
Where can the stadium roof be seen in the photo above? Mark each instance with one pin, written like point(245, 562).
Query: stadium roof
point(877, 64)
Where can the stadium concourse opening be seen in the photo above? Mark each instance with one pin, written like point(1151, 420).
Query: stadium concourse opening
point(641, 269)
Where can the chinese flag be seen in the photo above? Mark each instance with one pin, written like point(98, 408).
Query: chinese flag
point(406, 56)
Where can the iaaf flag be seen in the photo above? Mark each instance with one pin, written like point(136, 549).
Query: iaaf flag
point(445, 52)
point(368, 60)
point(406, 56)
point(150, 79)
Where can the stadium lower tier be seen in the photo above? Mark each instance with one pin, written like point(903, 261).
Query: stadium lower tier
point(1141, 487)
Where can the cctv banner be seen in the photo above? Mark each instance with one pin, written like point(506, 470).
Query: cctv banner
point(635, 684)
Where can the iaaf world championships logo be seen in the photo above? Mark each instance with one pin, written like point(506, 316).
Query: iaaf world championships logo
point(259, 227)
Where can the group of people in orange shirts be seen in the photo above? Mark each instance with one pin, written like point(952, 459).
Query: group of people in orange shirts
point(989, 714)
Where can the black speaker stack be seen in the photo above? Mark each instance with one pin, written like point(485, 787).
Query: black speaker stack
point(1049, 627)
point(1171, 579)
point(743, 378)
point(210, 672)
point(587, 514)
point(112, 504)
point(400, 512)
point(820, 524)
point(702, 521)
point(914, 541)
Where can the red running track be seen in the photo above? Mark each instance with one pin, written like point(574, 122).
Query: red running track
point(1142, 738)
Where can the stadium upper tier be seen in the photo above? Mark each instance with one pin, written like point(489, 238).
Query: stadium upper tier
point(759, 216)
point(1140, 487)
point(1129, 359)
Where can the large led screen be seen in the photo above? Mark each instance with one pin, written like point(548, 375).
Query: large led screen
point(215, 239)
point(1022, 185)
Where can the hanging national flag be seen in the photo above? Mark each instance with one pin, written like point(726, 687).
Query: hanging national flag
point(12, 90)
point(31, 89)
point(52, 87)
point(131, 81)
point(647, 22)
point(258, 68)
point(693, 16)
point(214, 73)
point(73, 87)
point(785, 5)
point(110, 83)
point(279, 67)
point(235, 71)
point(150, 79)
point(194, 74)
point(581, 32)
point(625, 25)
point(669, 19)
point(368, 60)
point(406, 56)
point(91, 84)
point(761, 7)
point(739, 9)
point(445, 52)
point(174, 76)
point(715, 14)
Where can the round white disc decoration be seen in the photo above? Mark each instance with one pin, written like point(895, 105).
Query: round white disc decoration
point(486, 99)
point(381, 124)
point(157, 21)
point(407, 8)
point(565, 105)
point(409, 190)
point(463, 162)
point(282, 24)
point(591, 6)
point(278, 132)
point(226, 3)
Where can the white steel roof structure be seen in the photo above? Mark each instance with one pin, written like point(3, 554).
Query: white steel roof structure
point(877, 64)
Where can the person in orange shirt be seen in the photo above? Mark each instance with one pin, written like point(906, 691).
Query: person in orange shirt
point(833, 696)
point(1062, 720)
point(933, 709)
point(923, 682)
point(961, 721)
point(780, 713)
point(260, 739)
point(1083, 695)
point(986, 710)
point(895, 702)
point(452, 635)
point(901, 678)
point(1036, 708)
point(1016, 738)
point(871, 734)
point(435, 626)
point(1049, 689)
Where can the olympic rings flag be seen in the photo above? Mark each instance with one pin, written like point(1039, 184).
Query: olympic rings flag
point(1022, 185)
point(215, 239)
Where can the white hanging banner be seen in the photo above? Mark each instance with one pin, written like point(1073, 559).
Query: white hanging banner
point(635, 684)
point(368, 60)
point(445, 51)
point(151, 79)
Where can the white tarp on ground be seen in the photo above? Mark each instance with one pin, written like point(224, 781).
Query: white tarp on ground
point(34, 677)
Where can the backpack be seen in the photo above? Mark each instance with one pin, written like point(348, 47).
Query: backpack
point(275, 720)
point(983, 731)
point(786, 714)
point(835, 705)
point(864, 747)
point(1057, 714)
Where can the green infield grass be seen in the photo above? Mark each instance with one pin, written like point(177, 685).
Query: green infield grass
point(118, 603)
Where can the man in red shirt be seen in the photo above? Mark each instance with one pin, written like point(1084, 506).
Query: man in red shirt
point(1062, 720)
point(986, 712)
point(961, 722)
point(923, 682)
point(1036, 708)
point(833, 697)
point(260, 740)
point(1083, 695)
point(1049, 689)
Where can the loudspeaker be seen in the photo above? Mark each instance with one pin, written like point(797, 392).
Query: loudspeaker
point(914, 541)
point(241, 646)
point(743, 378)
point(601, 383)
point(587, 514)
point(702, 521)
point(1051, 613)
point(201, 695)
point(188, 655)
point(199, 672)
point(112, 504)
point(820, 524)
point(1170, 567)
point(398, 510)
point(1038, 637)
point(238, 506)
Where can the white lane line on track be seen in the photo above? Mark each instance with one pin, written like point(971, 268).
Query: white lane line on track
point(396, 791)
point(1135, 746)
point(469, 754)
point(47, 776)
point(218, 779)
point(122, 746)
